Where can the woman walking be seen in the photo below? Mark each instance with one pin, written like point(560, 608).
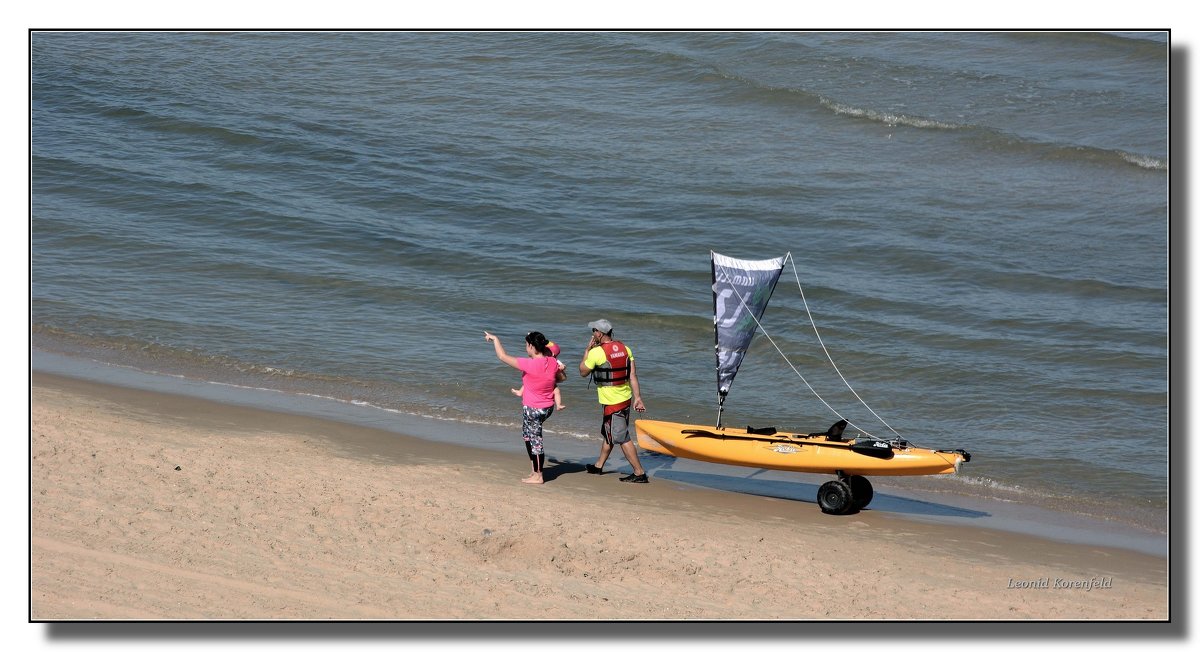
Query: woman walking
point(540, 373)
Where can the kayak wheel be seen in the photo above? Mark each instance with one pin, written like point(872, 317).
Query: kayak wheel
point(834, 497)
point(861, 491)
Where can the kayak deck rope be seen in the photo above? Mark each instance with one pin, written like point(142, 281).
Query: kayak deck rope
point(827, 356)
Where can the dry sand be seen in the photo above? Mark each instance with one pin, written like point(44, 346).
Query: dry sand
point(152, 506)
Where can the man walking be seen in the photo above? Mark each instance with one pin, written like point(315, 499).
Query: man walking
point(610, 364)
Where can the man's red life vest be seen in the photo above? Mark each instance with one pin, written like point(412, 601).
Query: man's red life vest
point(615, 370)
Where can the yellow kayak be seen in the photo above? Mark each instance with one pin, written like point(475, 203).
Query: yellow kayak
point(785, 451)
point(808, 453)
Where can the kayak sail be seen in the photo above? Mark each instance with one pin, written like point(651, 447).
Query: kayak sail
point(741, 290)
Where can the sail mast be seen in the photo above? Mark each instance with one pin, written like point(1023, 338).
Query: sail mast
point(721, 394)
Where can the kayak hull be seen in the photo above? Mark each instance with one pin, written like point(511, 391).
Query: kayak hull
point(792, 451)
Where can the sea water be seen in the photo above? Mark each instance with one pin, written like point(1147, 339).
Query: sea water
point(978, 223)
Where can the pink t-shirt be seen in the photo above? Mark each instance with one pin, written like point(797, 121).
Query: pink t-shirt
point(537, 377)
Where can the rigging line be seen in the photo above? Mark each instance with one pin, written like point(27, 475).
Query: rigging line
point(789, 362)
point(829, 357)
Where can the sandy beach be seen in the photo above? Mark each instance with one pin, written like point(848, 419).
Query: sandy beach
point(148, 506)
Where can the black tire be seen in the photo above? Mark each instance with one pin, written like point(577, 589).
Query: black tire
point(834, 498)
point(861, 491)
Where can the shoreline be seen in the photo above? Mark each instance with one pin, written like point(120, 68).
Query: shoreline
point(233, 512)
point(937, 500)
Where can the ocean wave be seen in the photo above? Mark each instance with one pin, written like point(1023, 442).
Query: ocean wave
point(990, 485)
point(1143, 161)
point(989, 137)
point(998, 139)
point(886, 117)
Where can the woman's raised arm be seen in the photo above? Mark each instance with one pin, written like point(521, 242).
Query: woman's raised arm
point(500, 352)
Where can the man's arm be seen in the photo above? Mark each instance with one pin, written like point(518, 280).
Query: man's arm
point(637, 390)
point(584, 369)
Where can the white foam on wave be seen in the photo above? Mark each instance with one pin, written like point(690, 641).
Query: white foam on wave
point(886, 117)
point(1147, 162)
point(989, 484)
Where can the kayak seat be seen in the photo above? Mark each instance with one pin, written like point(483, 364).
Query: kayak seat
point(834, 433)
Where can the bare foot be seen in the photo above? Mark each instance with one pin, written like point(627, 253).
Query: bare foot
point(536, 478)
point(560, 407)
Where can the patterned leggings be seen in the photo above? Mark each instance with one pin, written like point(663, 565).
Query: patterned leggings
point(531, 432)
